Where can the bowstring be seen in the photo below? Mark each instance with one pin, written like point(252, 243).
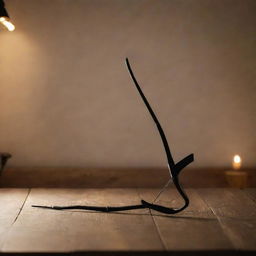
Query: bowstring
point(162, 190)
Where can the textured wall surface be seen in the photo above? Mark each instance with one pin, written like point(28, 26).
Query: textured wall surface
point(66, 98)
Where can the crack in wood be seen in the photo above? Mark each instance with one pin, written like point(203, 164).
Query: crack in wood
point(227, 232)
point(158, 231)
point(21, 208)
point(155, 224)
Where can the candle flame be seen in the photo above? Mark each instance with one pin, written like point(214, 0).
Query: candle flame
point(237, 159)
point(237, 162)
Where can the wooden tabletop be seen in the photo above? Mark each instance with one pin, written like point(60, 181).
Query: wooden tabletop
point(218, 221)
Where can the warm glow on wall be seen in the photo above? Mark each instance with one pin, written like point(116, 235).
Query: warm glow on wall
point(7, 23)
point(4, 17)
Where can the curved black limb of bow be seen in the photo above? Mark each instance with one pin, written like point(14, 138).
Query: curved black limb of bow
point(174, 169)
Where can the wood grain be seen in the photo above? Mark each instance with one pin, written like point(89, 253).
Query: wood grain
point(196, 228)
point(40, 230)
point(217, 220)
point(145, 177)
point(236, 213)
point(251, 192)
point(11, 201)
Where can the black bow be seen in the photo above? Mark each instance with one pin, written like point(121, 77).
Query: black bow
point(174, 169)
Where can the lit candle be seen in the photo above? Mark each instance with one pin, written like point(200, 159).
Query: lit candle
point(7, 23)
point(237, 162)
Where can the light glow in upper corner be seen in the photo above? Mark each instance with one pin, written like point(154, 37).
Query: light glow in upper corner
point(237, 162)
point(7, 23)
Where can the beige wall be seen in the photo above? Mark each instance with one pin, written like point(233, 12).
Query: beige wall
point(66, 98)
